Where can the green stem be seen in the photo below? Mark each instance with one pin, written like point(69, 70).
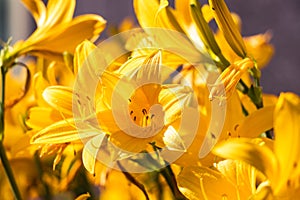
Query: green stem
point(171, 180)
point(133, 180)
point(4, 159)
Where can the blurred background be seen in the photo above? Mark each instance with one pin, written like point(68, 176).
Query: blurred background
point(258, 16)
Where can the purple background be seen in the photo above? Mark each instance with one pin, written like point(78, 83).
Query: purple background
point(258, 16)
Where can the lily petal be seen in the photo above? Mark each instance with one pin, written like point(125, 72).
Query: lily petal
point(59, 97)
point(90, 152)
point(37, 9)
point(59, 11)
point(287, 134)
point(257, 155)
point(82, 52)
point(49, 116)
point(61, 132)
point(204, 183)
point(173, 140)
point(165, 16)
point(257, 122)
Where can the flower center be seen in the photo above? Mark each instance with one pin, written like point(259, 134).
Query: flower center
point(145, 110)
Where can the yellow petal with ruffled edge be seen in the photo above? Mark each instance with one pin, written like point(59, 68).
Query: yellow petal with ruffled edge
point(60, 98)
point(253, 152)
point(287, 138)
point(204, 183)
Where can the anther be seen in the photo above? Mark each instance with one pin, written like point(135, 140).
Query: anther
point(131, 112)
point(213, 135)
point(144, 111)
point(129, 100)
point(134, 119)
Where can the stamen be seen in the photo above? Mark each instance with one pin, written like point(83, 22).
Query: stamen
point(134, 119)
point(131, 112)
point(129, 100)
point(144, 111)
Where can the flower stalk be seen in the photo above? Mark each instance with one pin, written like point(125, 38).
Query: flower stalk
point(4, 159)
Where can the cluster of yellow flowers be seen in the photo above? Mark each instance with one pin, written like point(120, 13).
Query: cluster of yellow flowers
point(148, 104)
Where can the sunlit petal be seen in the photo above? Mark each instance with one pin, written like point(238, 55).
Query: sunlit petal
point(90, 152)
point(287, 134)
point(60, 98)
point(255, 154)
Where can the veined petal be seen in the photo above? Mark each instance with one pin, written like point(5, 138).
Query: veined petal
point(63, 37)
point(240, 174)
point(287, 135)
point(173, 140)
point(174, 98)
point(82, 52)
point(37, 9)
point(257, 155)
point(150, 69)
point(257, 122)
point(61, 132)
point(59, 97)
point(204, 183)
point(228, 27)
point(90, 152)
point(59, 11)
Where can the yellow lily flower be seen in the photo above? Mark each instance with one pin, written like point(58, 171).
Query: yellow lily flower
point(279, 163)
point(54, 99)
point(229, 180)
point(152, 110)
point(56, 31)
